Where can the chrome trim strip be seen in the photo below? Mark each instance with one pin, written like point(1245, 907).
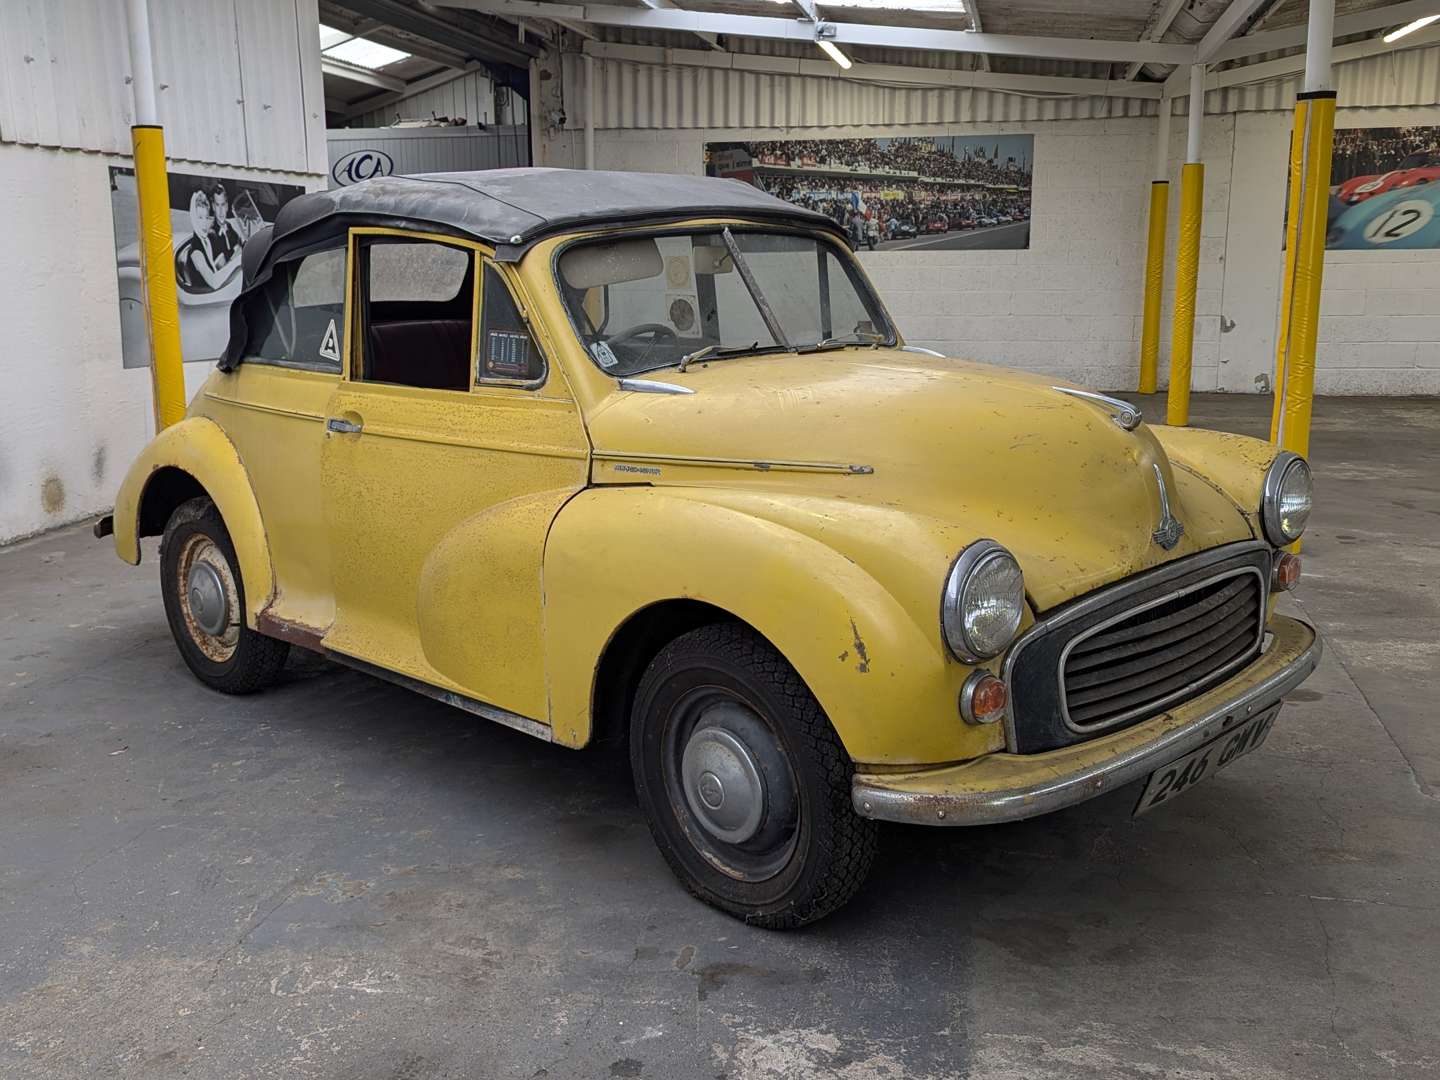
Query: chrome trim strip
point(653, 386)
point(449, 697)
point(1125, 414)
point(1189, 688)
point(871, 799)
point(735, 463)
point(1107, 594)
point(925, 352)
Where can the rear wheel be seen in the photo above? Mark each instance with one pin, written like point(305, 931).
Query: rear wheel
point(743, 781)
point(205, 604)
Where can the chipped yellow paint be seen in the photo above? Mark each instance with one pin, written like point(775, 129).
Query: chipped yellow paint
point(492, 542)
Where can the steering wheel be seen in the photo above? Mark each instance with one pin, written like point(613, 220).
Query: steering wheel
point(654, 329)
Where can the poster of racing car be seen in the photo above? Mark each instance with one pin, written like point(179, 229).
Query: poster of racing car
point(1383, 189)
point(932, 193)
point(210, 220)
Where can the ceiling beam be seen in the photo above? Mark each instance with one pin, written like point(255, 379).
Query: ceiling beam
point(1293, 65)
point(972, 9)
point(893, 37)
point(1231, 21)
point(471, 40)
point(1358, 23)
point(1057, 85)
point(1157, 30)
point(419, 86)
point(363, 76)
point(666, 5)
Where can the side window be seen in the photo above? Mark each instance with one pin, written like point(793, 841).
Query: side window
point(507, 351)
point(418, 313)
point(297, 319)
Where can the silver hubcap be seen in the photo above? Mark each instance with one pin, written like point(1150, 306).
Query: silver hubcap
point(208, 605)
point(723, 784)
point(209, 598)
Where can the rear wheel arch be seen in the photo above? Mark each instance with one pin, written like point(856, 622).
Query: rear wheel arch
point(193, 459)
point(167, 489)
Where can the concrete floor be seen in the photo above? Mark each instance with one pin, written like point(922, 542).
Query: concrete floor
point(340, 879)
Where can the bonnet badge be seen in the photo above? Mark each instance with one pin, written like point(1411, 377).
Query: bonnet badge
point(1167, 534)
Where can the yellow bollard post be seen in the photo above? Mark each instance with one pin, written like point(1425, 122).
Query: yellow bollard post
point(1299, 392)
point(1292, 243)
point(1187, 276)
point(1154, 286)
point(157, 260)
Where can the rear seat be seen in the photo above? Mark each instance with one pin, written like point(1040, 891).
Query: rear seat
point(433, 353)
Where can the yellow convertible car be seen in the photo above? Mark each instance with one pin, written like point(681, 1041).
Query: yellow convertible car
point(614, 455)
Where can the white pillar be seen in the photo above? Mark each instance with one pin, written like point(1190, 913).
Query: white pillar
point(1162, 141)
point(589, 111)
point(1197, 113)
point(142, 66)
point(1319, 43)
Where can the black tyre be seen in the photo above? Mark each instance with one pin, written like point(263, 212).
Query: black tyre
point(205, 604)
point(743, 781)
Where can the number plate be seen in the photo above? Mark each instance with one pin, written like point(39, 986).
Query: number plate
point(1184, 773)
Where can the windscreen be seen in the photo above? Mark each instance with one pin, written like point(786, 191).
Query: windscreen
point(641, 303)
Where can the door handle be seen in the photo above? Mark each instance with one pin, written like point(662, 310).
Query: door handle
point(342, 427)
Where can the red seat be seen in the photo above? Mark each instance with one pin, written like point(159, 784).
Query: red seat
point(433, 353)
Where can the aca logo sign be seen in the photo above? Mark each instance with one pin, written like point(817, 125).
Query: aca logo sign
point(361, 165)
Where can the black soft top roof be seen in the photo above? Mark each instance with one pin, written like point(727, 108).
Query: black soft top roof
point(510, 208)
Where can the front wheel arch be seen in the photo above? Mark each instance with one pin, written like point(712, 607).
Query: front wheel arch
point(629, 651)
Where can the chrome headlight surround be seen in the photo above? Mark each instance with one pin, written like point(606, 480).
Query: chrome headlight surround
point(984, 565)
point(1287, 498)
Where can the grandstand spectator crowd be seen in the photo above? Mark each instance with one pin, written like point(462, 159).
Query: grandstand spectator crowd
point(1367, 151)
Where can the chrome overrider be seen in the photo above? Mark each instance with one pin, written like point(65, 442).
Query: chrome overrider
point(1010, 787)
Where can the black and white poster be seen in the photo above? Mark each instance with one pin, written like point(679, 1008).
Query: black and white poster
point(210, 220)
point(930, 193)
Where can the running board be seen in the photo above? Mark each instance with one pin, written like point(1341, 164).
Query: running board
point(449, 697)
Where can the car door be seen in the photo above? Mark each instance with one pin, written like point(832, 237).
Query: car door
point(450, 445)
point(272, 407)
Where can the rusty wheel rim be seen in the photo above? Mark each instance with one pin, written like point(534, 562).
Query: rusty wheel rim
point(209, 598)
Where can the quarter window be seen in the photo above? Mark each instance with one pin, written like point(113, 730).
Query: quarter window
point(297, 318)
point(508, 352)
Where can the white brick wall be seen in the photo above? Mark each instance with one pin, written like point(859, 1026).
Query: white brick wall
point(1070, 306)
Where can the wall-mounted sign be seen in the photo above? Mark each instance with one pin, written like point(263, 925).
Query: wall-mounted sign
point(210, 219)
point(361, 165)
point(1384, 192)
point(931, 192)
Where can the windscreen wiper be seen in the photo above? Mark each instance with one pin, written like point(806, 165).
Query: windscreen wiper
point(859, 337)
point(715, 352)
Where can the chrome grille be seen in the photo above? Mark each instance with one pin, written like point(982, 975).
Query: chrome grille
point(1151, 656)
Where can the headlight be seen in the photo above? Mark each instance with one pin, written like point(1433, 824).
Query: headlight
point(1285, 507)
point(983, 602)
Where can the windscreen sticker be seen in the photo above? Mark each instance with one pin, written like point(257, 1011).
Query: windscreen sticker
point(330, 343)
point(603, 355)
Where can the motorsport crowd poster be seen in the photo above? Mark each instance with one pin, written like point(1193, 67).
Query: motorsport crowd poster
point(1384, 193)
point(932, 193)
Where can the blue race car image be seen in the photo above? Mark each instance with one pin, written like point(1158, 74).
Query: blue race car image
point(1402, 218)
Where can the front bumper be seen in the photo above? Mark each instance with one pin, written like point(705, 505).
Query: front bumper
point(1009, 787)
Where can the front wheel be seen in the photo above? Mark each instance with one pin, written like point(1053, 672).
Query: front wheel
point(205, 604)
point(744, 783)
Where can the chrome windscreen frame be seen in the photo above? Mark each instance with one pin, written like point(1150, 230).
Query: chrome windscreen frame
point(1109, 594)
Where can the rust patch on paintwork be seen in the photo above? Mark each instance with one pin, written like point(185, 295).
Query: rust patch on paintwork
point(286, 630)
point(864, 654)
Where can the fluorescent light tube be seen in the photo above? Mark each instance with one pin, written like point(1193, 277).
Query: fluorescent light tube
point(832, 50)
point(1409, 28)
